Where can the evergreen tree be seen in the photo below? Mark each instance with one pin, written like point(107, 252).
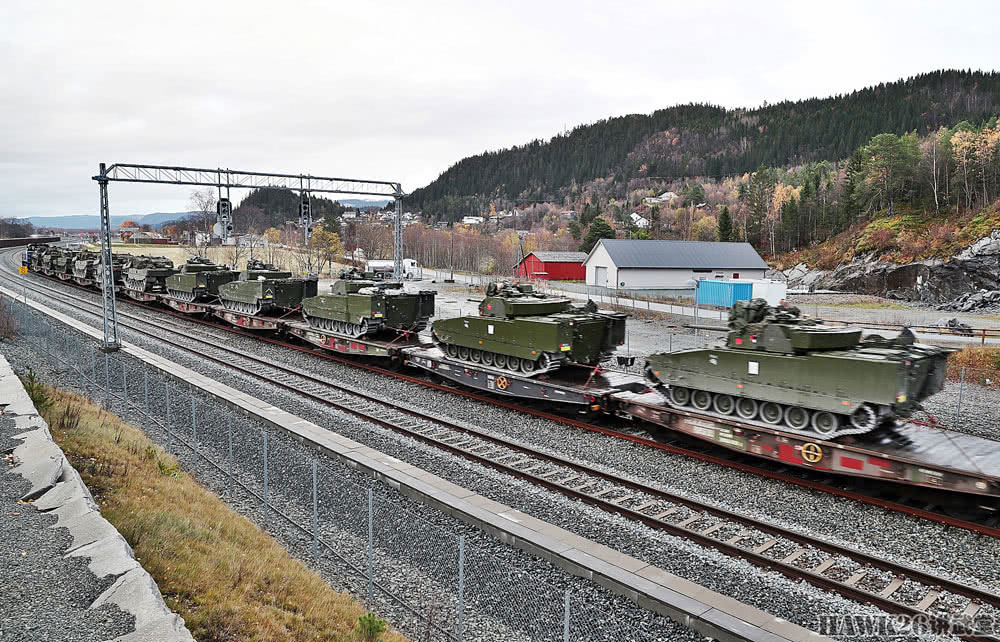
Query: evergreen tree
point(725, 225)
point(599, 229)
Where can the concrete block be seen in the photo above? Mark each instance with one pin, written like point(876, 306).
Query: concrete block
point(68, 489)
point(87, 529)
point(108, 556)
point(73, 509)
point(135, 592)
point(166, 629)
point(41, 463)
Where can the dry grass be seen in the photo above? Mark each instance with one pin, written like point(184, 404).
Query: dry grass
point(228, 579)
point(981, 364)
point(867, 305)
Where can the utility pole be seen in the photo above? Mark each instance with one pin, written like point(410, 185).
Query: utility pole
point(111, 342)
point(452, 253)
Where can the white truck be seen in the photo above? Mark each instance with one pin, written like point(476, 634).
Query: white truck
point(411, 269)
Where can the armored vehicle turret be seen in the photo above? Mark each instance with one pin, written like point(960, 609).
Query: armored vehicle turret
point(356, 308)
point(263, 288)
point(199, 278)
point(520, 330)
point(85, 267)
point(784, 370)
point(148, 273)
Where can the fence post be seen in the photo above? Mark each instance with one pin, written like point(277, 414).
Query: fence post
point(230, 431)
point(461, 587)
point(265, 477)
point(315, 520)
point(371, 544)
point(961, 389)
point(170, 433)
point(670, 347)
point(194, 422)
point(566, 617)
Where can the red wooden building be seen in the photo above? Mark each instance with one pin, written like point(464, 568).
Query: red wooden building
point(567, 266)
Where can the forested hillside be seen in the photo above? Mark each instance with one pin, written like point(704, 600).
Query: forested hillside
point(711, 142)
point(265, 208)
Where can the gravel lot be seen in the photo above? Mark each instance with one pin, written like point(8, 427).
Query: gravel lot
point(871, 529)
point(43, 595)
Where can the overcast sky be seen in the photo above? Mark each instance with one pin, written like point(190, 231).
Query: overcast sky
point(400, 91)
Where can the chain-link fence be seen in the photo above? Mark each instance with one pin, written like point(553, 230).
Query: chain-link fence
point(428, 581)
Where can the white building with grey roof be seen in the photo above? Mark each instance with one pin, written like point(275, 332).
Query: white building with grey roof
point(625, 264)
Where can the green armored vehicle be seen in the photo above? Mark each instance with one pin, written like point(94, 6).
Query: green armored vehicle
point(263, 288)
point(62, 265)
point(523, 331)
point(787, 371)
point(356, 308)
point(199, 278)
point(47, 260)
point(148, 273)
point(118, 263)
point(85, 267)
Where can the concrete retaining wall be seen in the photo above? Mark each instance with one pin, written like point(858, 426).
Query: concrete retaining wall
point(56, 487)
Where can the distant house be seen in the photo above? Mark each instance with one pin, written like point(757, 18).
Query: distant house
point(620, 263)
point(665, 197)
point(566, 266)
point(472, 220)
point(639, 221)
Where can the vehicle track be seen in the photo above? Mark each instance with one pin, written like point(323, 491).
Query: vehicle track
point(793, 554)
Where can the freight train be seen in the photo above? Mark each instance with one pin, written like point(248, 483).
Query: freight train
point(774, 369)
point(900, 453)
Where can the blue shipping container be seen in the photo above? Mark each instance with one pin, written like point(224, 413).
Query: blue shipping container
point(723, 293)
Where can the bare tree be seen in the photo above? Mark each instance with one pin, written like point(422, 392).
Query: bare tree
point(203, 201)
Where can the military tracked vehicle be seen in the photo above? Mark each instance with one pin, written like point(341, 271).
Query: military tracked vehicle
point(148, 273)
point(520, 330)
point(33, 249)
point(118, 264)
point(788, 371)
point(356, 308)
point(47, 260)
point(199, 278)
point(62, 265)
point(85, 267)
point(263, 288)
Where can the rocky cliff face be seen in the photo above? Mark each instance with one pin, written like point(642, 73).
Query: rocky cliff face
point(975, 269)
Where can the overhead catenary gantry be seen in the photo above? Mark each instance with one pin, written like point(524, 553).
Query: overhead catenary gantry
point(228, 179)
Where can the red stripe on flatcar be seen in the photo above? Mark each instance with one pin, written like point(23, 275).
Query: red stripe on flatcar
point(787, 452)
point(852, 462)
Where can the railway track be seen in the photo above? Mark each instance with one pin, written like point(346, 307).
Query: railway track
point(857, 575)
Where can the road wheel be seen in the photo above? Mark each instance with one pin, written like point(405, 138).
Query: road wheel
point(771, 413)
point(864, 417)
point(544, 361)
point(513, 363)
point(746, 408)
point(488, 358)
point(796, 417)
point(527, 366)
point(363, 328)
point(701, 399)
point(679, 396)
point(452, 350)
point(500, 361)
point(724, 404)
point(463, 353)
point(476, 355)
point(825, 423)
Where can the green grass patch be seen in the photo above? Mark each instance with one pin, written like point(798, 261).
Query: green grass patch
point(229, 580)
